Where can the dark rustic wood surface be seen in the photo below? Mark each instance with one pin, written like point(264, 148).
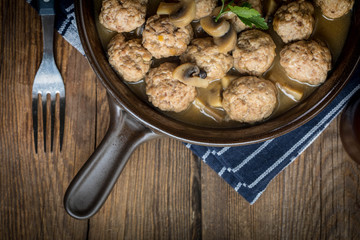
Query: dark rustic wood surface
point(164, 192)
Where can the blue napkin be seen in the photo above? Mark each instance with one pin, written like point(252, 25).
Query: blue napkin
point(248, 169)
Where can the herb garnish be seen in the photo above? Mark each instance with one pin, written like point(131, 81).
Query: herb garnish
point(248, 15)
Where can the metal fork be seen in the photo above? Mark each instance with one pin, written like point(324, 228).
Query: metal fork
point(48, 80)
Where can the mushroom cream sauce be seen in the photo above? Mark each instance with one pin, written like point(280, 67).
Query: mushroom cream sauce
point(331, 31)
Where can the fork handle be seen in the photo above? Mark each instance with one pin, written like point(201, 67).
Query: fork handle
point(46, 7)
point(47, 13)
point(48, 36)
point(95, 180)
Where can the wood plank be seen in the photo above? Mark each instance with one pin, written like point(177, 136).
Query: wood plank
point(316, 197)
point(32, 185)
point(225, 214)
point(340, 191)
point(157, 194)
point(300, 206)
point(318, 192)
point(165, 192)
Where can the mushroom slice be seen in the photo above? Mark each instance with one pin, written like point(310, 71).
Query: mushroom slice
point(181, 14)
point(215, 29)
point(227, 42)
point(185, 14)
point(270, 7)
point(190, 74)
point(226, 80)
point(292, 93)
point(214, 98)
point(167, 8)
point(208, 111)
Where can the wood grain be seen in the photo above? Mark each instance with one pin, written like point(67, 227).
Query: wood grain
point(164, 192)
point(316, 197)
point(32, 186)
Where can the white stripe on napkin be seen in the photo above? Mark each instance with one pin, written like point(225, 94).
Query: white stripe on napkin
point(251, 156)
point(223, 150)
point(316, 127)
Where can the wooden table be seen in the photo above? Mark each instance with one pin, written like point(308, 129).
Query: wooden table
point(164, 192)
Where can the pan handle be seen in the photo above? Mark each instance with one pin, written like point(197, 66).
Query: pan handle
point(93, 183)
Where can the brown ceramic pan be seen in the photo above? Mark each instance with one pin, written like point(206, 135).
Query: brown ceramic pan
point(134, 121)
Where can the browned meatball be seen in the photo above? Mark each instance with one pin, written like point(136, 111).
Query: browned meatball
point(306, 61)
point(164, 39)
point(254, 52)
point(205, 54)
point(249, 99)
point(131, 60)
point(167, 93)
point(335, 8)
point(122, 15)
point(256, 4)
point(294, 21)
point(204, 8)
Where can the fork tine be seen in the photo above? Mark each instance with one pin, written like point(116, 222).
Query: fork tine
point(35, 102)
point(44, 112)
point(52, 110)
point(62, 119)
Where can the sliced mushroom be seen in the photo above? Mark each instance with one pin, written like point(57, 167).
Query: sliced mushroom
point(167, 8)
point(181, 14)
point(215, 29)
point(212, 113)
point(214, 98)
point(190, 74)
point(270, 8)
point(227, 42)
point(291, 92)
point(226, 80)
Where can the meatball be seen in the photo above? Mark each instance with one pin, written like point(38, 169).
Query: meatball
point(256, 4)
point(167, 93)
point(122, 15)
point(335, 8)
point(294, 21)
point(254, 52)
point(249, 99)
point(205, 54)
point(164, 39)
point(306, 61)
point(204, 8)
point(131, 60)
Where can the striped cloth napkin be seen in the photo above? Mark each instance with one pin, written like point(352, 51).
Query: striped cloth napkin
point(248, 169)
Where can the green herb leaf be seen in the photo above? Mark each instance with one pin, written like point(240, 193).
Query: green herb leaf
point(246, 21)
point(248, 15)
point(259, 22)
point(244, 12)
